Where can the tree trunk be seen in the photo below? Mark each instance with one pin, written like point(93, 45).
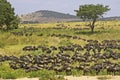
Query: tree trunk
point(93, 25)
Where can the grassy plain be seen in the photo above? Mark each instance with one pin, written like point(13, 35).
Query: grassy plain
point(12, 45)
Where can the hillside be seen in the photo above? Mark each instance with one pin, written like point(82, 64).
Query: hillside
point(45, 16)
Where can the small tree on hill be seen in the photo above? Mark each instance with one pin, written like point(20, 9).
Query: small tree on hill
point(91, 12)
point(8, 19)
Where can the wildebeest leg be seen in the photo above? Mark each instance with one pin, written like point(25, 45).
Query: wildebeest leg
point(113, 73)
point(108, 72)
point(85, 71)
point(68, 72)
point(97, 71)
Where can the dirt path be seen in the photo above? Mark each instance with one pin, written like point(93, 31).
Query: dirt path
point(22, 79)
point(92, 78)
point(78, 78)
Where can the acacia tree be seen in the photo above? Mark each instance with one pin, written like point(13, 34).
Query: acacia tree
point(8, 19)
point(91, 12)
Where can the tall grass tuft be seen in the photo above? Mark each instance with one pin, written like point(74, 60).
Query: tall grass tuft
point(2, 45)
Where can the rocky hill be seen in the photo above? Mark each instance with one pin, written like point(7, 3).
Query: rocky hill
point(45, 16)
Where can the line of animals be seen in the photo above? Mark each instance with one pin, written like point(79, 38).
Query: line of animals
point(52, 35)
point(94, 56)
point(30, 31)
point(66, 36)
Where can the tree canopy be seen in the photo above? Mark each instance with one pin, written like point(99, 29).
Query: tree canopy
point(91, 12)
point(8, 19)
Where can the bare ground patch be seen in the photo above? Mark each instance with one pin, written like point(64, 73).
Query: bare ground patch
point(92, 78)
point(22, 79)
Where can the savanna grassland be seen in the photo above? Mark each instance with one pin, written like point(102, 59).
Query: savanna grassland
point(104, 30)
point(53, 34)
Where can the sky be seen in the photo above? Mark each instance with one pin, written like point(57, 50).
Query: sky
point(64, 6)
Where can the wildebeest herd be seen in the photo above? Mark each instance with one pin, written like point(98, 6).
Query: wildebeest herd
point(66, 36)
point(94, 56)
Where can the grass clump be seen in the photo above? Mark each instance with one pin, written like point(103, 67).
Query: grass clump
point(65, 42)
point(8, 76)
point(42, 74)
point(7, 73)
point(103, 78)
point(2, 45)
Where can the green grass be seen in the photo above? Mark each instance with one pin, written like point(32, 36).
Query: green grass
point(7, 73)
